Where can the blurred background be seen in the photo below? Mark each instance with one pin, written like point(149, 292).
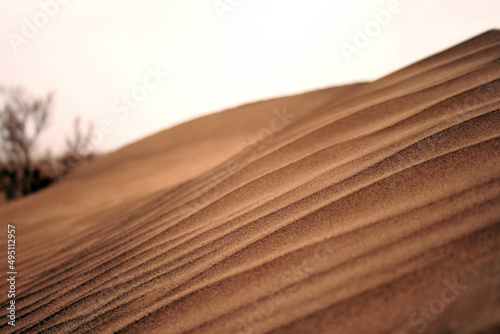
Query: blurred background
point(127, 69)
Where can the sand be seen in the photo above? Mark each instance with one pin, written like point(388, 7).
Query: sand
point(366, 208)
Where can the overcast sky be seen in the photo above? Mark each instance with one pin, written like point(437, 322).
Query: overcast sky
point(137, 67)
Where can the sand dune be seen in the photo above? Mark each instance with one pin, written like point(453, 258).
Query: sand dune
point(367, 208)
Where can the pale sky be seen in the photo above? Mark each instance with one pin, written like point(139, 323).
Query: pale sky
point(92, 53)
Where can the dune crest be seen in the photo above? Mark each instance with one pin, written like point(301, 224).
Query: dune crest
point(372, 207)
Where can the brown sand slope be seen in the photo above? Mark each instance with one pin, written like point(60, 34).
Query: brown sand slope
point(165, 159)
point(375, 209)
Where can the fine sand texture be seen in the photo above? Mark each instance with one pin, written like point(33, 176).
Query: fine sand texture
point(367, 208)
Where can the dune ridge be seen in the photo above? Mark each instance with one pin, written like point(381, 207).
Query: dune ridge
point(349, 219)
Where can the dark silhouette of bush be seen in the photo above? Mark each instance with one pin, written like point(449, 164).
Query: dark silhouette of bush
point(12, 182)
point(22, 119)
point(8, 182)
